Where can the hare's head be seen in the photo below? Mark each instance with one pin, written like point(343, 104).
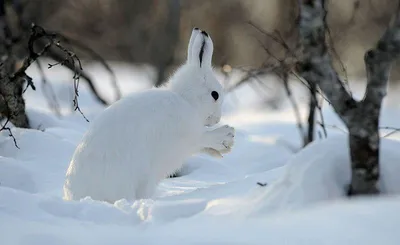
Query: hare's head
point(195, 81)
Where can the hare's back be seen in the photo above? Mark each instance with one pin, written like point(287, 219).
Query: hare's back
point(151, 107)
point(145, 117)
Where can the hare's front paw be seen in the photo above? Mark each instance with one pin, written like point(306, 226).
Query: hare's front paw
point(220, 139)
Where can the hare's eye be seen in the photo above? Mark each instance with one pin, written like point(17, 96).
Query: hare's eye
point(215, 95)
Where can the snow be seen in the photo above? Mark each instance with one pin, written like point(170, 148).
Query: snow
point(215, 201)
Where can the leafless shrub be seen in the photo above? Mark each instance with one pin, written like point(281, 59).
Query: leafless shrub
point(20, 47)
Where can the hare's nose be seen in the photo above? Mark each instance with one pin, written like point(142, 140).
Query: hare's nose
point(215, 95)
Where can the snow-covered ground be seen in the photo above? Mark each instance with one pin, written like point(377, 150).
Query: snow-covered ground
point(216, 201)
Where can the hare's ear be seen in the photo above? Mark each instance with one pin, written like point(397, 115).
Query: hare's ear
point(202, 49)
point(195, 32)
point(208, 49)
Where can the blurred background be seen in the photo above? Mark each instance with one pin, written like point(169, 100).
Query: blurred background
point(155, 32)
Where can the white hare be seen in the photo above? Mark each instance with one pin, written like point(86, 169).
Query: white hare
point(144, 137)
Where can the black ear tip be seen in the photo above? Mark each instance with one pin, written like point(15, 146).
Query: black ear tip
point(204, 33)
point(196, 28)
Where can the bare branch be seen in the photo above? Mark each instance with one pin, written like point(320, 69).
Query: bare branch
point(262, 184)
point(394, 130)
point(277, 39)
point(97, 57)
point(295, 107)
point(378, 63)
point(52, 40)
point(342, 66)
point(61, 60)
point(332, 126)
point(4, 127)
point(321, 115)
point(251, 74)
point(316, 66)
point(36, 34)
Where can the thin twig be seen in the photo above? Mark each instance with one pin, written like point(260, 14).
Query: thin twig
point(331, 126)
point(97, 57)
point(321, 115)
point(336, 55)
point(4, 127)
point(394, 130)
point(51, 98)
point(294, 106)
point(262, 184)
point(38, 33)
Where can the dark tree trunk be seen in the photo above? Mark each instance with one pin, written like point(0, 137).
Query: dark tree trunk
point(12, 104)
point(361, 118)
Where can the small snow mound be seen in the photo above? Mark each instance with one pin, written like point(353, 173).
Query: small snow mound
point(319, 173)
point(41, 120)
point(44, 208)
point(13, 174)
point(90, 211)
point(34, 145)
point(322, 172)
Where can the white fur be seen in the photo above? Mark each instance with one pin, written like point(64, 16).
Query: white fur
point(144, 137)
